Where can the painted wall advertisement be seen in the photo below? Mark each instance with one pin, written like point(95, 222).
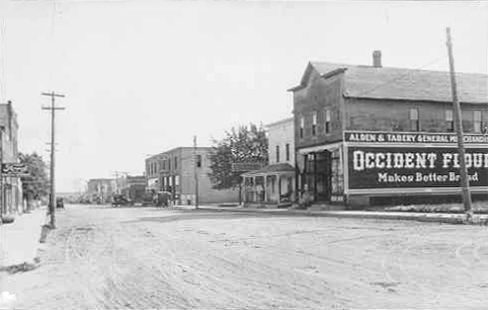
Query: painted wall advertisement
point(413, 160)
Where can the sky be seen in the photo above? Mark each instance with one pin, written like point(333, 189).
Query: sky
point(141, 77)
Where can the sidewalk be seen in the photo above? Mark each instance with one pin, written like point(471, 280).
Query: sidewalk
point(19, 241)
point(450, 218)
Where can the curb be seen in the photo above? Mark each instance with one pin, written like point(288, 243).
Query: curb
point(394, 217)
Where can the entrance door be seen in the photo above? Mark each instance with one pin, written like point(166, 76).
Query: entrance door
point(323, 176)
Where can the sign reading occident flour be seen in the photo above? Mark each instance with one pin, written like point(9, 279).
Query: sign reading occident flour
point(377, 160)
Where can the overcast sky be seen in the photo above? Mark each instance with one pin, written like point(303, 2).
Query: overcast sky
point(141, 77)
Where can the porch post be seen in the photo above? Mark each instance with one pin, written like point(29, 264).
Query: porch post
point(278, 178)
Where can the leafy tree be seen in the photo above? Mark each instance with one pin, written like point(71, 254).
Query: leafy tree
point(243, 144)
point(36, 184)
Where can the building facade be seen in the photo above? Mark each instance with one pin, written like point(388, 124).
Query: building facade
point(274, 184)
point(100, 190)
point(11, 197)
point(352, 122)
point(175, 172)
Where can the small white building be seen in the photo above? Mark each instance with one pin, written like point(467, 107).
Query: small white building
point(275, 183)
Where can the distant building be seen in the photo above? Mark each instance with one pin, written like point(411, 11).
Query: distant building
point(100, 190)
point(275, 183)
point(11, 199)
point(372, 134)
point(174, 171)
point(134, 187)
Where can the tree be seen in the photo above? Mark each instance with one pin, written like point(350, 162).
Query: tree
point(36, 184)
point(244, 144)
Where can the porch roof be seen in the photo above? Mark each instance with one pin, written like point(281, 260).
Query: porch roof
point(271, 169)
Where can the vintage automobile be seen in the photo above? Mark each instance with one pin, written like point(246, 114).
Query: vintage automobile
point(120, 200)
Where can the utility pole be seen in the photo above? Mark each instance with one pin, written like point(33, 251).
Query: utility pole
point(195, 169)
point(52, 197)
point(459, 130)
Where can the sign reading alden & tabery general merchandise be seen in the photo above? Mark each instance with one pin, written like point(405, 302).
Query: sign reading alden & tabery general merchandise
point(413, 160)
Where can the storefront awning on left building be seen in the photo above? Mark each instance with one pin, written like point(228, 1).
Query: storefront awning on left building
point(283, 168)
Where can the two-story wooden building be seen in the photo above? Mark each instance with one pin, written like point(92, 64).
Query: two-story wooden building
point(363, 132)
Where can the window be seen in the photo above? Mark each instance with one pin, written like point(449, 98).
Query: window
point(449, 120)
point(169, 163)
point(199, 161)
point(314, 123)
point(477, 124)
point(277, 153)
point(302, 126)
point(287, 150)
point(177, 180)
point(176, 162)
point(414, 120)
point(327, 121)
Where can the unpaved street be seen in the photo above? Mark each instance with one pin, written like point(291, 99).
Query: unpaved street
point(142, 258)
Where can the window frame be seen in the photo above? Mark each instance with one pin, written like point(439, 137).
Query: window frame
point(414, 119)
point(327, 121)
point(449, 120)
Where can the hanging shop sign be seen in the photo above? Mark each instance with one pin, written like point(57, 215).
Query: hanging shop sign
point(14, 170)
point(389, 161)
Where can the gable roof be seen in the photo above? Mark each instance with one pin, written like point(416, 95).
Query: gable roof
point(403, 84)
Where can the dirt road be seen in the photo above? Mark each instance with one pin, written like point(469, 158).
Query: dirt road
point(145, 258)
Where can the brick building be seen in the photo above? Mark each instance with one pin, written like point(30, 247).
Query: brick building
point(277, 179)
point(11, 188)
point(343, 112)
point(174, 170)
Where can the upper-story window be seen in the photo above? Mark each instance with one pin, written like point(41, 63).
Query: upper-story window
point(277, 153)
point(169, 163)
point(414, 120)
point(287, 151)
point(302, 126)
point(199, 161)
point(449, 120)
point(176, 162)
point(477, 123)
point(327, 121)
point(314, 123)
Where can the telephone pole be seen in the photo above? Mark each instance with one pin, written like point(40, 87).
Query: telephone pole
point(459, 130)
point(195, 169)
point(52, 197)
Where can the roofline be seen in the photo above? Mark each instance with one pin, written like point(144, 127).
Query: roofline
point(155, 156)
point(411, 100)
point(288, 119)
point(324, 76)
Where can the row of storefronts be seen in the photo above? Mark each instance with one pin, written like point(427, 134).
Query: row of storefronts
point(361, 133)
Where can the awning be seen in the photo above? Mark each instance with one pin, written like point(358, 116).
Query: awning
point(283, 168)
point(320, 148)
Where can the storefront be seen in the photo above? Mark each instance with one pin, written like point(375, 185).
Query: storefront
point(271, 185)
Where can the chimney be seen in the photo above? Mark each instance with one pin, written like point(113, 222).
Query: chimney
point(377, 59)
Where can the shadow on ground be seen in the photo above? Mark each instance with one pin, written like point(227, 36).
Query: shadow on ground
point(188, 215)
